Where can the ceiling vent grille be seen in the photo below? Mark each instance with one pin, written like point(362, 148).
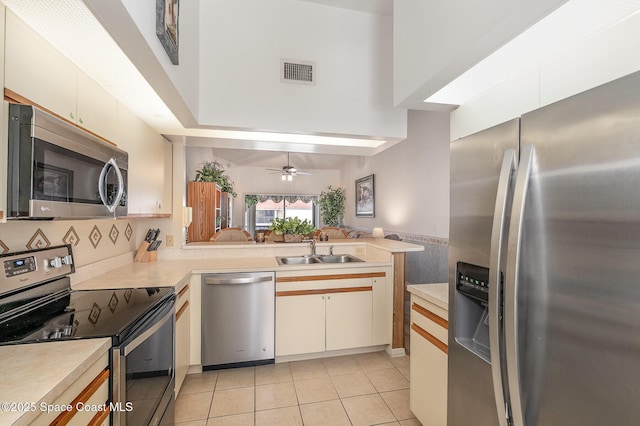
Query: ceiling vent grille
point(300, 72)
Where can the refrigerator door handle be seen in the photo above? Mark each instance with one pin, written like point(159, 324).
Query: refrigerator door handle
point(509, 166)
point(511, 287)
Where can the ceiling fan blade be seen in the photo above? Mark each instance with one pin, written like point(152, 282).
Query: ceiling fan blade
point(304, 173)
point(275, 170)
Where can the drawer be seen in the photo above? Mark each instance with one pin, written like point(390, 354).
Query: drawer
point(427, 320)
point(92, 387)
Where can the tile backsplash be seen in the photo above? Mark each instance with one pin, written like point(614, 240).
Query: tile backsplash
point(91, 240)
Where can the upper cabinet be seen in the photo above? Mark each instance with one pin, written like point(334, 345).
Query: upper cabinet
point(37, 73)
point(40, 74)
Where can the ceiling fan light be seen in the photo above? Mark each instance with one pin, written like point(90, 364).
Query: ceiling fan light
point(284, 177)
point(289, 178)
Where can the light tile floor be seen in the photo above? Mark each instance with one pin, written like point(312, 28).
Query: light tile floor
point(363, 389)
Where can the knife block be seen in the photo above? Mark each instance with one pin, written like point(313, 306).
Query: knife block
point(142, 255)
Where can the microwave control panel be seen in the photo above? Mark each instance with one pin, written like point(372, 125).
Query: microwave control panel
point(473, 281)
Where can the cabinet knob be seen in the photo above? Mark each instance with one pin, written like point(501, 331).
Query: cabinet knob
point(71, 115)
point(80, 121)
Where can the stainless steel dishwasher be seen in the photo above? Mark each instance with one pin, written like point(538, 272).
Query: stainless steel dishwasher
point(238, 319)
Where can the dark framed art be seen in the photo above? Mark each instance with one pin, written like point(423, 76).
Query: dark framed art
point(365, 197)
point(167, 27)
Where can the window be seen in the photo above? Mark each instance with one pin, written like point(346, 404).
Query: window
point(269, 206)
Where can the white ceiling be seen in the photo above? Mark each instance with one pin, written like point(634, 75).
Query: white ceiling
point(86, 43)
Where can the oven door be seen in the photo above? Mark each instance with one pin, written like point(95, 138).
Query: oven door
point(143, 370)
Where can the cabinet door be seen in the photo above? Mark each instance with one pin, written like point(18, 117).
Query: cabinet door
point(428, 379)
point(38, 72)
point(300, 324)
point(96, 108)
point(182, 343)
point(349, 320)
point(201, 198)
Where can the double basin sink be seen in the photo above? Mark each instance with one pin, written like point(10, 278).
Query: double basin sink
point(309, 260)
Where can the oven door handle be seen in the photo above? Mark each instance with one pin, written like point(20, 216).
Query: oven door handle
point(128, 347)
point(101, 183)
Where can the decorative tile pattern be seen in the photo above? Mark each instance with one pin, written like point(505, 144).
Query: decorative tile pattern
point(113, 234)
point(94, 314)
point(127, 294)
point(71, 237)
point(38, 240)
point(4, 248)
point(95, 236)
point(128, 232)
point(113, 302)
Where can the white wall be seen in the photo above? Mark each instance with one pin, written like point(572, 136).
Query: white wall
point(605, 56)
point(242, 42)
point(257, 180)
point(435, 41)
point(411, 180)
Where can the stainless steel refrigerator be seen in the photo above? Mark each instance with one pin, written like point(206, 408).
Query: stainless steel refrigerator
point(544, 266)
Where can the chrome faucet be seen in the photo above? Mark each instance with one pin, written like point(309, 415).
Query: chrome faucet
point(313, 245)
point(330, 250)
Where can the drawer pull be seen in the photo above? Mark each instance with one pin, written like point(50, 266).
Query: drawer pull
point(323, 291)
point(430, 337)
point(183, 291)
point(430, 315)
point(330, 277)
point(181, 310)
point(84, 396)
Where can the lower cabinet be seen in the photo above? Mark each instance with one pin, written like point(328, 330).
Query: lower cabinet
point(428, 363)
point(330, 312)
point(183, 331)
point(90, 389)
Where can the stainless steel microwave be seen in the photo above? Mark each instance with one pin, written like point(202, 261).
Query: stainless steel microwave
point(59, 171)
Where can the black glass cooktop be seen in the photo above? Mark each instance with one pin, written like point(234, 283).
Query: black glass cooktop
point(67, 314)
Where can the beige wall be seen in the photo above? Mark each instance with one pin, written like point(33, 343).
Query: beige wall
point(411, 180)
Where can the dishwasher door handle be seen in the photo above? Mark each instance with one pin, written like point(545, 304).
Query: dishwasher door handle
point(237, 280)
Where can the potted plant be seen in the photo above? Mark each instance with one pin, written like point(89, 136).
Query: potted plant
point(331, 204)
point(293, 229)
point(212, 171)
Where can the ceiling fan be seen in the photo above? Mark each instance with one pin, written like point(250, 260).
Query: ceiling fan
point(288, 171)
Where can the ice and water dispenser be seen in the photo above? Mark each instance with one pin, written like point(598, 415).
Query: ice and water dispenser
point(472, 314)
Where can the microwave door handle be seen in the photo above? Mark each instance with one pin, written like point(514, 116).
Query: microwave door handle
point(101, 183)
point(511, 283)
point(507, 170)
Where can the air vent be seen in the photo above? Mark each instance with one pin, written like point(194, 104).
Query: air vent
point(300, 72)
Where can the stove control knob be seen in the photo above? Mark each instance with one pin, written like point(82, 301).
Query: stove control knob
point(56, 262)
point(67, 330)
point(56, 334)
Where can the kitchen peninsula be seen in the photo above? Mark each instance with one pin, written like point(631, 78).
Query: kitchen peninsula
point(183, 268)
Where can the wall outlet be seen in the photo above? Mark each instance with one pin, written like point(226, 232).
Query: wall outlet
point(169, 240)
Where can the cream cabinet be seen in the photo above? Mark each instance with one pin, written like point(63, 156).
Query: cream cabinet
point(428, 362)
point(48, 79)
point(90, 389)
point(337, 309)
point(182, 335)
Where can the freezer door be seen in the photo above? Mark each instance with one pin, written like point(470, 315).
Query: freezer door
point(476, 163)
point(579, 276)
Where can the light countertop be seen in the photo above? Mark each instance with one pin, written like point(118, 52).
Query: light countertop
point(38, 373)
point(438, 294)
point(391, 246)
point(172, 273)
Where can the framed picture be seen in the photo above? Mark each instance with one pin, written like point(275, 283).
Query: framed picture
point(167, 27)
point(365, 197)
